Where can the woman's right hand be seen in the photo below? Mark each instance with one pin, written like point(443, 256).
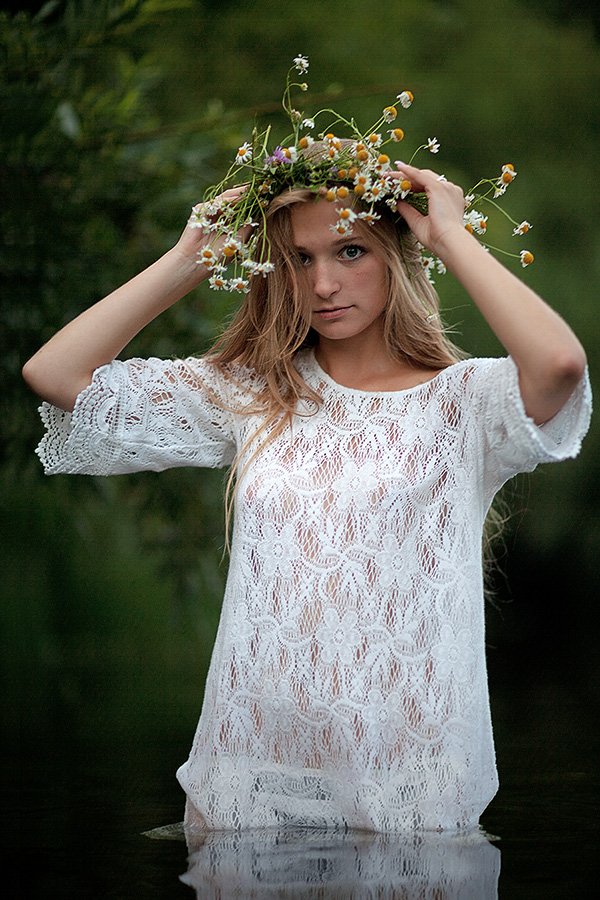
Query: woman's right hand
point(195, 239)
point(64, 366)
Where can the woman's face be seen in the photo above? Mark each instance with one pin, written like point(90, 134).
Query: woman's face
point(346, 276)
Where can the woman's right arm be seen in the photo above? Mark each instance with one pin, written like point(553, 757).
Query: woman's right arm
point(63, 367)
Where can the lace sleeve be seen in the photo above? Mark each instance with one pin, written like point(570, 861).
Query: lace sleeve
point(143, 415)
point(513, 442)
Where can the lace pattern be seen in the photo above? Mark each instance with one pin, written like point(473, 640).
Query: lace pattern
point(348, 685)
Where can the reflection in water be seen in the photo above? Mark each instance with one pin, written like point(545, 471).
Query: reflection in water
point(308, 864)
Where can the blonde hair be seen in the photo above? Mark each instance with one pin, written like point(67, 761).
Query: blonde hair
point(273, 323)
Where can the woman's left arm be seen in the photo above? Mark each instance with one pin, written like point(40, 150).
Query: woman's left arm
point(548, 355)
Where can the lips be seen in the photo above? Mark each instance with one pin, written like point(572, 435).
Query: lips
point(332, 313)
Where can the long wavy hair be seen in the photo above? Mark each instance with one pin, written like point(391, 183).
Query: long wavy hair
point(273, 323)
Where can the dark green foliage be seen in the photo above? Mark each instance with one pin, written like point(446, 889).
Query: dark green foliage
point(115, 115)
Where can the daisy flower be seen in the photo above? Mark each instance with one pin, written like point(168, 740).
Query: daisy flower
point(207, 258)
point(389, 114)
point(347, 215)
point(342, 227)
point(256, 268)
point(368, 217)
point(428, 263)
point(404, 188)
point(307, 123)
point(396, 134)
point(362, 183)
point(231, 247)
point(405, 98)
point(526, 258)
point(475, 221)
point(433, 145)
point(244, 154)
point(290, 153)
point(507, 175)
point(218, 283)
point(523, 228)
point(301, 64)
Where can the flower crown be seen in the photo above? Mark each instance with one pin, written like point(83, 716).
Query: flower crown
point(358, 166)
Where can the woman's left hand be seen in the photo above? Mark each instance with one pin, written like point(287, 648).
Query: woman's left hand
point(446, 207)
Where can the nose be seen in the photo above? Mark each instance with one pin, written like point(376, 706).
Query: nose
point(325, 282)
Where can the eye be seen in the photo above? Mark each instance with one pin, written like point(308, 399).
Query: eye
point(352, 251)
point(302, 258)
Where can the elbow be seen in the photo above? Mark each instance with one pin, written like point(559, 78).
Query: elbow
point(554, 383)
point(45, 383)
point(31, 375)
point(569, 367)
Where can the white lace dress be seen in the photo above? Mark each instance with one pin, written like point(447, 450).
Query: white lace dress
point(348, 685)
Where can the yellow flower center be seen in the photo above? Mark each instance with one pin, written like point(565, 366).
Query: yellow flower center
point(373, 138)
point(345, 214)
point(469, 228)
point(507, 177)
point(509, 166)
point(303, 143)
point(352, 173)
point(362, 155)
point(405, 185)
point(330, 196)
point(398, 134)
point(391, 111)
point(359, 190)
point(528, 258)
point(383, 160)
point(343, 193)
point(342, 173)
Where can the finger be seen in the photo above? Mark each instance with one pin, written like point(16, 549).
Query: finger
point(421, 179)
point(411, 216)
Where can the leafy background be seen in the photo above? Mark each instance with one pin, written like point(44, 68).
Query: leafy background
point(116, 114)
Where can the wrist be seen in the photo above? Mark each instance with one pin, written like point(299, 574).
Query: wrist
point(456, 247)
point(188, 273)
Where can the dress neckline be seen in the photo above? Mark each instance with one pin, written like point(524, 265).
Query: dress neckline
point(401, 392)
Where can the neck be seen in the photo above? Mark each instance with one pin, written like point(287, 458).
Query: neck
point(363, 364)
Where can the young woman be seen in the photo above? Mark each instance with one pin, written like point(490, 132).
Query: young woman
point(348, 684)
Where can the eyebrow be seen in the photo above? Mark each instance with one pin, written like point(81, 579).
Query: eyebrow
point(348, 241)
